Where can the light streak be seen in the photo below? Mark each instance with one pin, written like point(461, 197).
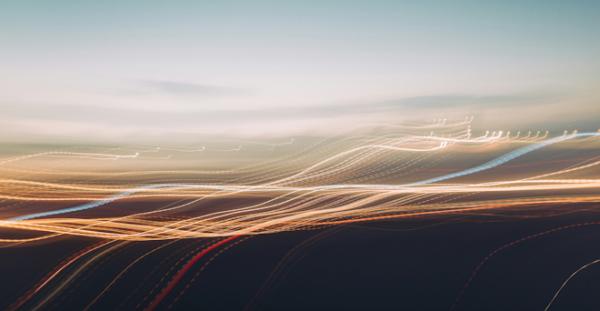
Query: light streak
point(505, 158)
point(361, 177)
point(181, 273)
point(53, 275)
point(94, 156)
point(562, 286)
point(308, 196)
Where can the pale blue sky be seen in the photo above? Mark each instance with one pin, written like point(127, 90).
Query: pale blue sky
point(193, 57)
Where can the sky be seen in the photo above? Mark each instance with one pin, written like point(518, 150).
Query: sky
point(155, 70)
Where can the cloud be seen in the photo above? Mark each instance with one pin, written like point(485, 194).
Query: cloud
point(177, 88)
point(494, 111)
point(172, 117)
point(464, 101)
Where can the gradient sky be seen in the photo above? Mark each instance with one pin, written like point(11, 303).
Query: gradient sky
point(153, 69)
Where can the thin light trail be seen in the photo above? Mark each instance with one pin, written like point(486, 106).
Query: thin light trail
point(504, 158)
point(562, 286)
point(485, 166)
point(181, 273)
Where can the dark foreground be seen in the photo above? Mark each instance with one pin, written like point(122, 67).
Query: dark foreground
point(515, 260)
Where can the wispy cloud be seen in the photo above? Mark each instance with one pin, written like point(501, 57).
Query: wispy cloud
point(178, 88)
point(506, 111)
point(398, 107)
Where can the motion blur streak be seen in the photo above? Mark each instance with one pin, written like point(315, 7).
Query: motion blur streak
point(320, 193)
point(372, 174)
point(177, 278)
